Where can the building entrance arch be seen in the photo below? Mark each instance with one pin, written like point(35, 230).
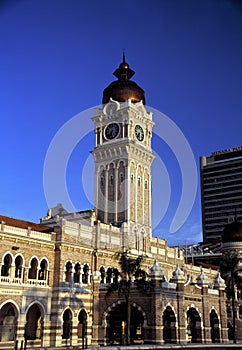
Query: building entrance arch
point(116, 323)
point(194, 329)
point(214, 324)
point(8, 322)
point(67, 324)
point(34, 325)
point(82, 327)
point(169, 324)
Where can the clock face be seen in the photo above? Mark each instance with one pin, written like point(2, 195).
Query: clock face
point(111, 131)
point(139, 132)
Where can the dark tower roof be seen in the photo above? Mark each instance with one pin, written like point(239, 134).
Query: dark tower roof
point(232, 232)
point(122, 89)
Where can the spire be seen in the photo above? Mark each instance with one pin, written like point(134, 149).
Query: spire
point(123, 72)
point(123, 56)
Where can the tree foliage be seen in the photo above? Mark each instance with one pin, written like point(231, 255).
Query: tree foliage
point(130, 274)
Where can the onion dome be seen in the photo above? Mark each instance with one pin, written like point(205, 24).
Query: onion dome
point(219, 282)
point(202, 279)
point(123, 89)
point(232, 232)
point(156, 271)
point(178, 275)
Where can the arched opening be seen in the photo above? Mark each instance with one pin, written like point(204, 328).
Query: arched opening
point(67, 324)
point(18, 266)
point(85, 274)
point(169, 323)
point(194, 330)
point(43, 270)
point(7, 262)
point(115, 275)
point(82, 328)
point(77, 273)
point(34, 324)
point(214, 324)
point(103, 274)
point(8, 322)
point(68, 271)
point(116, 321)
point(33, 269)
point(109, 275)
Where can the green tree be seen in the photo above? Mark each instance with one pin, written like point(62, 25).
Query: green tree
point(231, 271)
point(130, 274)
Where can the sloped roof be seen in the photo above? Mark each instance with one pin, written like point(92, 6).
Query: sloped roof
point(25, 224)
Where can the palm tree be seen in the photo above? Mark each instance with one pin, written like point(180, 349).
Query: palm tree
point(130, 274)
point(231, 271)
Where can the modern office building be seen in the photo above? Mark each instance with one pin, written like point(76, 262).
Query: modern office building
point(221, 191)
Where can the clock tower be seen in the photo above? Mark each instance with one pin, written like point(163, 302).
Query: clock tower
point(123, 156)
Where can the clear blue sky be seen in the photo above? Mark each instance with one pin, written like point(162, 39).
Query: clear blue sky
point(57, 57)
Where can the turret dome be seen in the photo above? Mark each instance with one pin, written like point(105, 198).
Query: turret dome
point(123, 89)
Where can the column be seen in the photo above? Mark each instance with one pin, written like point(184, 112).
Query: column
point(106, 197)
point(127, 199)
point(206, 316)
point(116, 203)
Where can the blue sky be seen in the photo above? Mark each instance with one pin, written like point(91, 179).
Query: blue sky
point(57, 57)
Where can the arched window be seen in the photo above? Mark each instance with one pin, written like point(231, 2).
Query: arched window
point(77, 273)
point(7, 262)
point(43, 270)
point(102, 180)
point(115, 275)
point(111, 179)
point(121, 177)
point(109, 275)
point(33, 269)
point(18, 266)
point(85, 274)
point(68, 271)
point(67, 324)
point(139, 181)
point(102, 272)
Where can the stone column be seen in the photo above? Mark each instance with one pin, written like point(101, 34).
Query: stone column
point(219, 284)
point(202, 281)
point(106, 197)
point(179, 279)
point(97, 333)
point(153, 334)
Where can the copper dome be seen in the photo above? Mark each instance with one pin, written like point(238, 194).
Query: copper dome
point(122, 89)
point(232, 232)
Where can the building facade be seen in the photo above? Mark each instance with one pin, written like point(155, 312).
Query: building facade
point(55, 275)
point(221, 190)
